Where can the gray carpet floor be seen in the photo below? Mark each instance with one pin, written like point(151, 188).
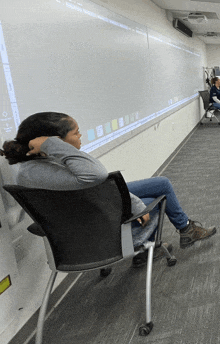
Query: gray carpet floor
point(185, 297)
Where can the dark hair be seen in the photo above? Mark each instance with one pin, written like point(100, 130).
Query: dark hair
point(213, 81)
point(37, 125)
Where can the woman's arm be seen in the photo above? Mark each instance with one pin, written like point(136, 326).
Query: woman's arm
point(216, 100)
point(82, 165)
point(137, 206)
point(63, 167)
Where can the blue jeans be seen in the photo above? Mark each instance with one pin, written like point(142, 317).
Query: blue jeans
point(148, 189)
point(216, 105)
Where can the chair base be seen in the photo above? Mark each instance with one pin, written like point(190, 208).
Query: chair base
point(105, 272)
point(145, 329)
point(171, 261)
point(212, 112)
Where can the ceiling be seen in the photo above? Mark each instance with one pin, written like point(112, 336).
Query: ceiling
point(208, 31)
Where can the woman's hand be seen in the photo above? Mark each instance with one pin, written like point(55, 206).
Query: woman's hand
point(35, 145)
point(144, 220)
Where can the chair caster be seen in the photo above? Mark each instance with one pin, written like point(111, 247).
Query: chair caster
point(144, 330)
point(171, 261)
point(105, 272)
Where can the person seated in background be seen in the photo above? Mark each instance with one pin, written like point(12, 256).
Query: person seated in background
point(215, 93)
point(47, 146)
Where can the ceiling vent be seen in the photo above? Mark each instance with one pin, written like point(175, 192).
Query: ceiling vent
point(183, 15)
point(178, 25)
point(197, 18)
point(211, 1)
point(209, 34)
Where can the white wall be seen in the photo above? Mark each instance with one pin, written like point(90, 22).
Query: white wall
point(141, 156)
point(151, 148)
point(147, 13)
point(213, 55)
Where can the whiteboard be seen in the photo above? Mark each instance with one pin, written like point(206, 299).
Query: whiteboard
point(111, 74)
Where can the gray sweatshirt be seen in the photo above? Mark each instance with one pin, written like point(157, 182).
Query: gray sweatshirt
point(66, 168)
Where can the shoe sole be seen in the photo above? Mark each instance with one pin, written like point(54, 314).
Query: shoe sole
point(193, 242)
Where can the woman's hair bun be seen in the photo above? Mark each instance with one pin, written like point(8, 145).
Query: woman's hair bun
point(14, 152)
point(36, 125)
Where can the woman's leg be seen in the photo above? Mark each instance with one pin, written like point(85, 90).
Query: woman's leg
point(155, 187)
point(216, 105)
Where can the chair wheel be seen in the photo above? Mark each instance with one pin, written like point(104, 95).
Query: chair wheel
point(171, 261)
point(105, 272)
point(144, 330)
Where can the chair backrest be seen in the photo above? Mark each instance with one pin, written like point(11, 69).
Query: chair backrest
point(205, 97)
point(83, 227)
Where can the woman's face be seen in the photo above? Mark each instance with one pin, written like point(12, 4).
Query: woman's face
point(217, 83)
point(73, 136)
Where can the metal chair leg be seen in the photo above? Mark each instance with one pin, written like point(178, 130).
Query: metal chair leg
point(212, 112)
point(166, 252)
point(43, 309)
point(148, 282)
point(171, 260)
point(160, 222)
point(215, 118)
point(145, 329)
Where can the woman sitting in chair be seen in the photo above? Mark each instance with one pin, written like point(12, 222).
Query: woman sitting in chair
point(215, 93)
point(48, 147)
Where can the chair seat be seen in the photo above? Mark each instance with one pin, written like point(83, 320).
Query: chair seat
point(88, 266)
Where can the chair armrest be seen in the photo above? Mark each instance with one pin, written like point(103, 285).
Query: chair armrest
point(210, 106)
point(150, 207)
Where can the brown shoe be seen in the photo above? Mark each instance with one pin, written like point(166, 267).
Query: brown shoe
point(194, 233)
point(141, 258)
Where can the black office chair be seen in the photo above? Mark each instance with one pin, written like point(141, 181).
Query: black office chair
point(208, 107)
point(88, 229)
